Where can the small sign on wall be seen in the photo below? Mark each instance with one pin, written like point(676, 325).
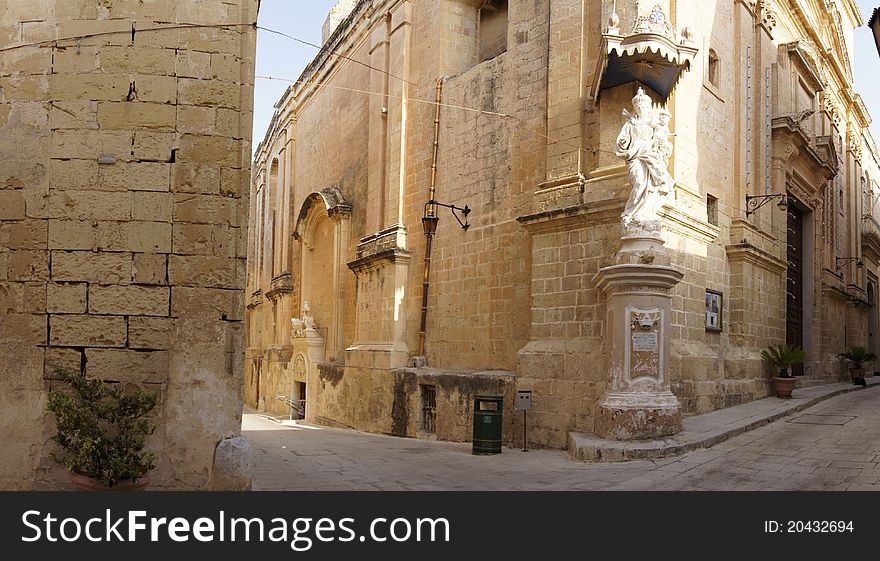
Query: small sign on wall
point(714, 310)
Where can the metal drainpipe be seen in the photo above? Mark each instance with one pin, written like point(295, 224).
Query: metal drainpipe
point(430, 211)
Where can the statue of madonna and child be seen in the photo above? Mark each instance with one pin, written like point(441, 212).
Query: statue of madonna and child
point(645, 143)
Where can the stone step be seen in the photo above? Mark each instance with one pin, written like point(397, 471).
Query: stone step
point(702, 431)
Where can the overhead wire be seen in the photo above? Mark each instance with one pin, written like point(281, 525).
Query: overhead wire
point(512, 120)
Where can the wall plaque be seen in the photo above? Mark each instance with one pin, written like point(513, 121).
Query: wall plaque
point(645, 342)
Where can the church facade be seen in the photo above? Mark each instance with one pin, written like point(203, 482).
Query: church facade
point(443, 207)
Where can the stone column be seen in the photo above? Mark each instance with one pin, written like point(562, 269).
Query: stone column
point(638, 403)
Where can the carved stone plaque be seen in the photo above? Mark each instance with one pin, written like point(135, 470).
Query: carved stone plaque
point(299, 367)
point(645, 353)
point(644, 342)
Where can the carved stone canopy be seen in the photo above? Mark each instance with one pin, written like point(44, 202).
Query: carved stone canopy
point(649, 54)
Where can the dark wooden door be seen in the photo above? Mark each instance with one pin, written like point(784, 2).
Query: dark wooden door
point(794, 306)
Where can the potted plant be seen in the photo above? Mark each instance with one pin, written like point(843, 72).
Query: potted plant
point(102, 430)
point(857, 356)
point(783, 357)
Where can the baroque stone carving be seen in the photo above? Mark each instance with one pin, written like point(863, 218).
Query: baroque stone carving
point(645, 320)
point(303, 325)
point(654, 22)
point(645, 143)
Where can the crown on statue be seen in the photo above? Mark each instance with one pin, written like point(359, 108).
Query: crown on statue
point(641, 99)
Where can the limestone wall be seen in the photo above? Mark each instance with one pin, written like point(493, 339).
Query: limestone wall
point(529, 147)
point(124, 169)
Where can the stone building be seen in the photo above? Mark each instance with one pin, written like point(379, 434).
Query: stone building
point(761, 104)
point(124, 168)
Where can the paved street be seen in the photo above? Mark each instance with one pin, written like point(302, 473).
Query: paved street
point(834, 445)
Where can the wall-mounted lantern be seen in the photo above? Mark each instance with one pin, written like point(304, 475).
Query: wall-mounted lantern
point(839, 262)
point(754, 202)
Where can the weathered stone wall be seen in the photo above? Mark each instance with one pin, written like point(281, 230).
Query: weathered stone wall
point(527, 145)
point(124, 169)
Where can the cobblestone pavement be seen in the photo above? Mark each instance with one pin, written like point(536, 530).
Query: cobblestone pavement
point(834, 445)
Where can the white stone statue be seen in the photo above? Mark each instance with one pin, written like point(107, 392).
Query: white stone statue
point(307, 319)
point(302, 326)
point(645, 143)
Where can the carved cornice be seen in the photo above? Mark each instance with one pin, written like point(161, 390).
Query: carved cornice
point(380, 259)
point(282, 284)
point(870, 238)
point(685, 224)
point(573, 217)
point(748, 253)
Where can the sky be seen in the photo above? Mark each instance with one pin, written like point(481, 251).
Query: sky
point(282, 58)
point(279, 56)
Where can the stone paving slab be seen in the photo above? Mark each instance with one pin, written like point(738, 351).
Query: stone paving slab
point(703, 431)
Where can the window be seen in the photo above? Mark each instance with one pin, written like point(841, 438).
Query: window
point(429, 408)
point(712, 72)
point(493, 29)
point(712, 210)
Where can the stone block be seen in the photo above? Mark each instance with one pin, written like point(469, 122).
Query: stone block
point(73, 234)
point(66, 298)
point(229, 123)
point(135, 176)
point(150, 268)
point(197, 120)
point(153, 207)
point(203, 239)
point(24, 88)
point(155, 89)
point(87, 266)
point(155, 146)
point(62, 359)
point(81, 114)
point(149, 237)
point(128, 366)
point(151, 333)
point(90, 205)
point(193, 64)
point(226, 67)
point(233, 465)
point(11, 298)
point(74, 175)
point(75, 61)
point(12, 205)
point(213, 40)
point(87, 331)
point(233, 183)
point(205, 209)
point(143, 60)
point(211, 93)
point(136, 115)
point(211, 304)
point(202, 178)
point(94, 32)
point(90, 144)
point(26, 234)
point(25, 265)
point(131, 300)
point(202, 271)
point(88, 87)
point(210, 149)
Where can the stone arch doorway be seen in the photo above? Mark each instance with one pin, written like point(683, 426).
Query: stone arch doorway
point(322, 228)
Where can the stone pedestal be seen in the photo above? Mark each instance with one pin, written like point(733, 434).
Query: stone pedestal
point(638, 403)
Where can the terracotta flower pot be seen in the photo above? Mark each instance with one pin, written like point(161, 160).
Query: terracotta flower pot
point(85, 483)
point(857, 375)
point(784, 386)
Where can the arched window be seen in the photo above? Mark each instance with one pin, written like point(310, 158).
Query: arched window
point(712, 70)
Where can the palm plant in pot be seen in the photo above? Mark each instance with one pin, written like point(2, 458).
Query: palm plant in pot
point(783, 357)
point(857, 356)
point(102, 430)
